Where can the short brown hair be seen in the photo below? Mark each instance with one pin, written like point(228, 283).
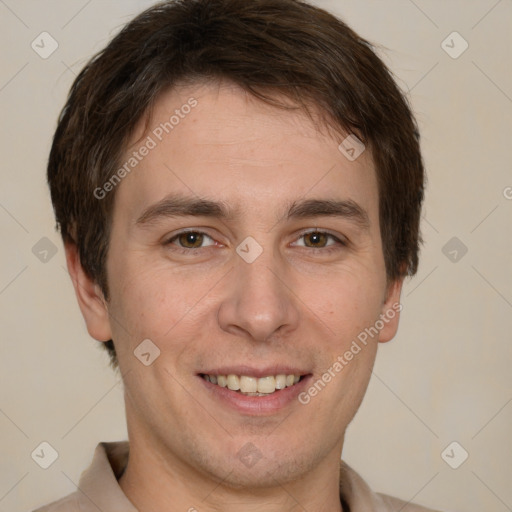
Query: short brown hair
point(267, 47)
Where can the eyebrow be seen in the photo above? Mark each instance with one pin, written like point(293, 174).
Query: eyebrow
point(348, 209)
point(182, 206)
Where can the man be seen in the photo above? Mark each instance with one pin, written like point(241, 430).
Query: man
point(238, 186)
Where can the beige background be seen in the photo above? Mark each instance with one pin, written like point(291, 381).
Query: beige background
point(447, 375)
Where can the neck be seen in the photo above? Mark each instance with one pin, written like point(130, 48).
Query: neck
point(156, 480)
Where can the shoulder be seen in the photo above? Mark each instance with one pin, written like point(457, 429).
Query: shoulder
point(69, 503)
point(359, 497)
point(391, 504)
point(98, 488)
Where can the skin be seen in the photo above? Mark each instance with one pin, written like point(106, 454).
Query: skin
point(298, 303)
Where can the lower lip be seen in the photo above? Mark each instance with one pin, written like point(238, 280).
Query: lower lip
point(257, 405)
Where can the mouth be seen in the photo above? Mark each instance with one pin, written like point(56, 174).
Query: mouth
point(254, 386)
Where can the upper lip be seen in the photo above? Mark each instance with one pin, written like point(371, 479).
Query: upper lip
point(277, 369)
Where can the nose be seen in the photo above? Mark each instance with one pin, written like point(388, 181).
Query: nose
point(259, 302)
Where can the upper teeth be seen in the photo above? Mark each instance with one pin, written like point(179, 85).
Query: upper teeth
point(247, 384)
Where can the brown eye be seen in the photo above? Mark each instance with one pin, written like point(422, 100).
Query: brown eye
point(190, 242)
point(315, 239)
point(190, 239)
point(322, 240)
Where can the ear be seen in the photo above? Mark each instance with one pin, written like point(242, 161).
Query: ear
point(390, 313)
point(90, 297)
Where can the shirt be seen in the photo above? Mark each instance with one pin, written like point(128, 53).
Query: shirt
point(98, 488)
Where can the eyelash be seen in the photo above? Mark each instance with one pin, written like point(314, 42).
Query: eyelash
point(326, 249)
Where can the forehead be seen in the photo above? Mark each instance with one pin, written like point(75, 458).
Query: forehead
point(218, 141)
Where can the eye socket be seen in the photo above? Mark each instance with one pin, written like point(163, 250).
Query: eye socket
point(321, 237)
point(193, 239)
point(190, 240)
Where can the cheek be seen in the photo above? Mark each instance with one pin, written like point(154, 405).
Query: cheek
point(347, 354)
point(347, 303)
point(152, 300)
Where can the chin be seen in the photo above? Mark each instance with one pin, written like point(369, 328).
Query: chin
point(257, 464)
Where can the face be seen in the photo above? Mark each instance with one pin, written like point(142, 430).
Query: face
point(244, 243)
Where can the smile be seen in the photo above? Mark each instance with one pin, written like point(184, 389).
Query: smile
point(253, 386)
